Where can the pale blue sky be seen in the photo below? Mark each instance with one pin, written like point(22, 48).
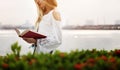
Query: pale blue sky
point(75, 11)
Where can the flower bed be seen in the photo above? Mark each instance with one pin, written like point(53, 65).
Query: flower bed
point(75, 60)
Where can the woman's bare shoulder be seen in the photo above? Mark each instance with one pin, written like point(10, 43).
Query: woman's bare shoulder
point(56, 15)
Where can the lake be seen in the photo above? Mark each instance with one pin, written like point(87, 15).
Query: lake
point(72, 40)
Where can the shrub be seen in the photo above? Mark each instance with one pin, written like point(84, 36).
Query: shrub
point(74, 60)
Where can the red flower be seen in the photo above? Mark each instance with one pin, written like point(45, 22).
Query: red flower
point(16, 58)
point(117, 52)
point(5, 65)
point(78, 66)
point(32, 61)
point(62, 55)
point(112, 60)
point(103, 58)
point(91, 60)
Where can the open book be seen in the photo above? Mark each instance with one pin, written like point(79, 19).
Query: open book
point(29, 34)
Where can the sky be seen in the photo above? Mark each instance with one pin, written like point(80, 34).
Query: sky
point(74, 12)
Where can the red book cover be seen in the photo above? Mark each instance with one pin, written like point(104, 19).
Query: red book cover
point(30, 34)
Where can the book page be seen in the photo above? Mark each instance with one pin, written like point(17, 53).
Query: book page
point(17, 31)
point(24, 32)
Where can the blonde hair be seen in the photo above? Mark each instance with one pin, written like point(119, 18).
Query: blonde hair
point(50, 3)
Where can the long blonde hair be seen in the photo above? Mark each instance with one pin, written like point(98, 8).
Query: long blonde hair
point(50, 3)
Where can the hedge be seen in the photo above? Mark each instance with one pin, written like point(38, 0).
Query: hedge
point(74, 60)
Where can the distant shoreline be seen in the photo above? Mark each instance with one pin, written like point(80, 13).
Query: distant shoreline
point(70, 27)
point(92, 27)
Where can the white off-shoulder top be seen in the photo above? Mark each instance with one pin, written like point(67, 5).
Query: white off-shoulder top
point(50, 27)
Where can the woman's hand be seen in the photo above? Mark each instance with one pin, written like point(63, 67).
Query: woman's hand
point(30, 40)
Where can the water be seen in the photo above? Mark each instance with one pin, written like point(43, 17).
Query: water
point(72, 40)
point(8, 37)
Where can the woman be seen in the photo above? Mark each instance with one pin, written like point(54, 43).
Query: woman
point(48, 23)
